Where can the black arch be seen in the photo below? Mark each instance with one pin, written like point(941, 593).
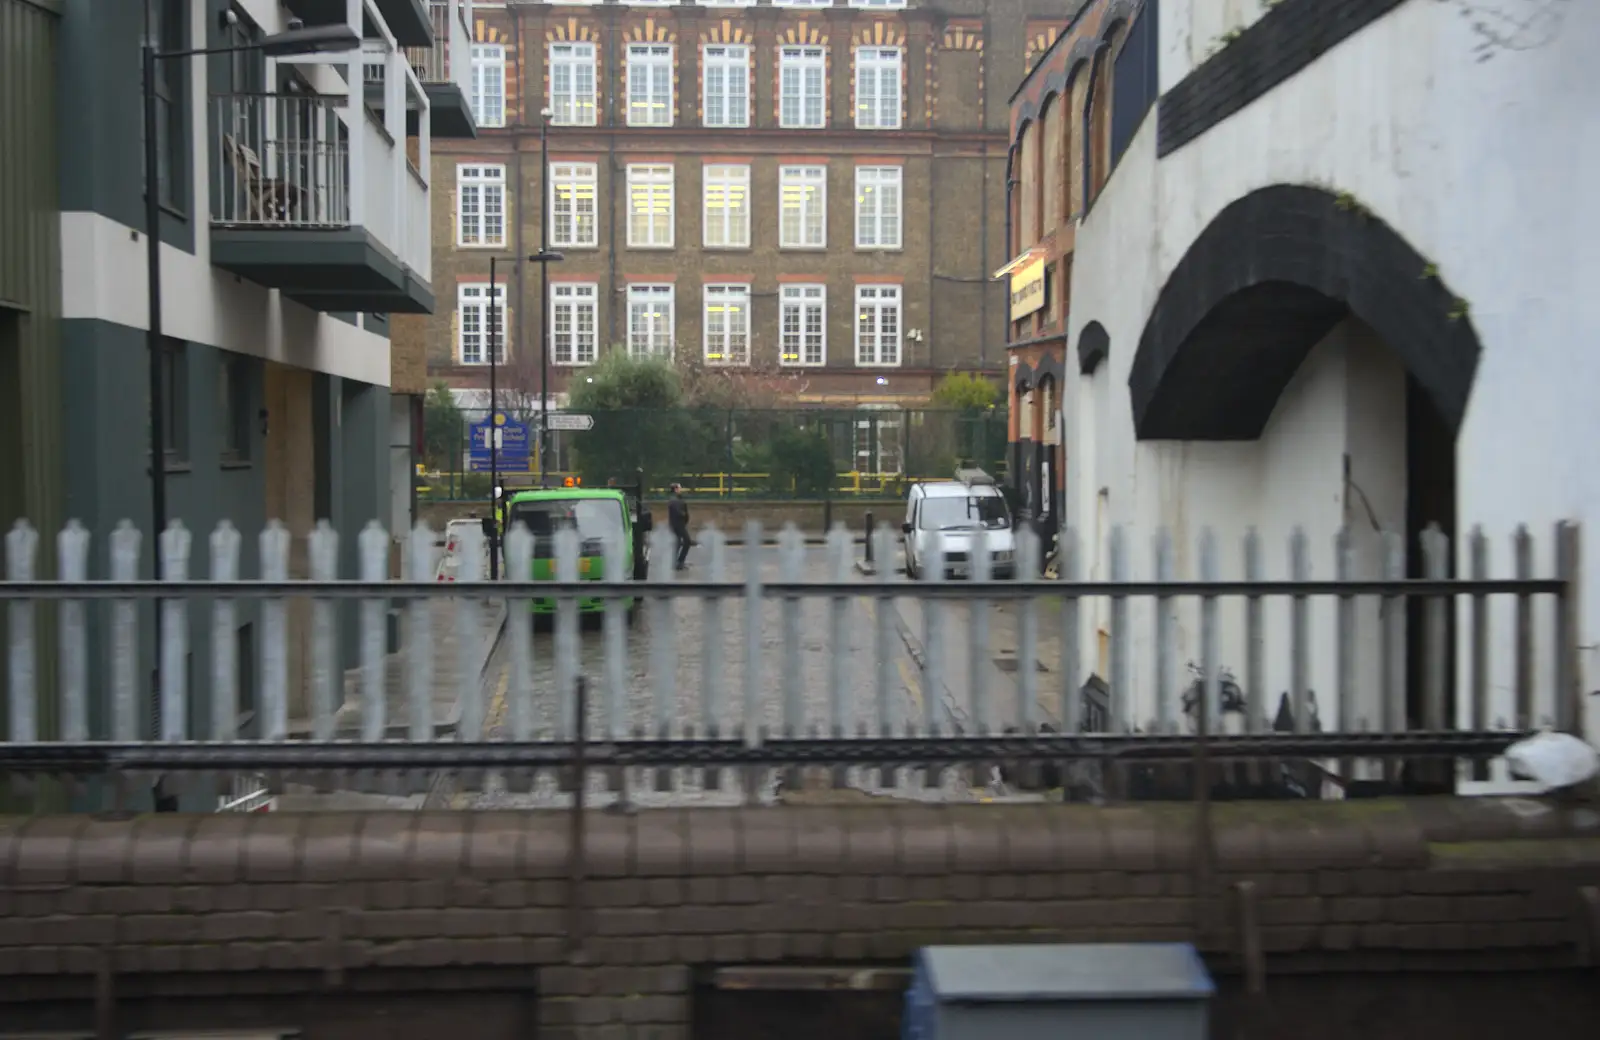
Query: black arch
point(1267, 279)
point(1049, 365)
point(1022, 376)
point(1094, 346)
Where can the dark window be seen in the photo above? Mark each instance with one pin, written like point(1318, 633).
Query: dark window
point(175, 401)
point(247, 70)
point(168, 29)
point(1134, 85)
point(235, 392)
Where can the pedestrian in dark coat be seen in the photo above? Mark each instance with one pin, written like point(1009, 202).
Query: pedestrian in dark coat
point(678, 518)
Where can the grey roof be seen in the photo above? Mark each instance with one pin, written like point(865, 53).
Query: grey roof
point(1071, 972)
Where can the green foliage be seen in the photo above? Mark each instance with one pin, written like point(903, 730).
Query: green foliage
point(965, 391)
point(473, 487)
point(802, 463)
point(620, 380)
point(640, 423)
point(443, 429)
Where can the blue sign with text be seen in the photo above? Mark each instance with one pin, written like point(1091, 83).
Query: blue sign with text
point(515, 442)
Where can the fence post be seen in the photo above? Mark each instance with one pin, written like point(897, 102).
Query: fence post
point(870, 529)
point(727, 485)
point(1569, 677)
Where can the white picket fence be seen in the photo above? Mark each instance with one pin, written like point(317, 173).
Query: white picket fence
point(1121, 640)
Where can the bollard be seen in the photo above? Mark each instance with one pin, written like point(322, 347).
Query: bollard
point(827, 515)
point(869, 536)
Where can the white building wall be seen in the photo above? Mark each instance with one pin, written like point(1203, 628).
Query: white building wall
point(1482, 165)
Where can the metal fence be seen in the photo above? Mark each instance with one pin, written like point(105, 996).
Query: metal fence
point(772, 453)
point(744, 718)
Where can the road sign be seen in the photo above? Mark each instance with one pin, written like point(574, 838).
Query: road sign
point(571, 421)
point(507, 436)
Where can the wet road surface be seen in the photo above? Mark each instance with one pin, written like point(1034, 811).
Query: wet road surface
point(683, 639)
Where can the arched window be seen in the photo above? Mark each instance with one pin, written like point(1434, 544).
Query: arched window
point(1075, 98)
point(1097, 117)
point(1050, 122)
point(1028, 188)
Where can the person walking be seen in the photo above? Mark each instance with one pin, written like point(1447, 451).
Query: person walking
point(678, 518)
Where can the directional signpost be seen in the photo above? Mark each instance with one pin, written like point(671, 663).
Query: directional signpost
point(508, 435)
point(574, 421)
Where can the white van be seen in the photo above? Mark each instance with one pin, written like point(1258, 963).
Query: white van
point(947, 513)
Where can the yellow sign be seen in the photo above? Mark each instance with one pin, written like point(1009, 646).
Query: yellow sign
point(1027, 289)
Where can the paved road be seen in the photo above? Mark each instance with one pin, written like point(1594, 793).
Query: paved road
point(692, 637)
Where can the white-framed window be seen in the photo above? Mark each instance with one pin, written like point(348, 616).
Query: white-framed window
point(472, 315)
point(649, 84)
point(878, 88)
point(727, 324)
point(802, 3)
point(727, 3)
point(573, 217)
point(725, 71)
point(803, 207)
point(878, 207)
point(803, 325)
point(877, 325)
point(572, 80)
point(489, 84)
point(727, 206)
point(650, 320)
point(480, 205)
point(802, 87)
point(650, 206)
point(878, 3)
point(573, 323)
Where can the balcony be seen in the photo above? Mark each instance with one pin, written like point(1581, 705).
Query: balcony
point(319, 200)
point(445, 71)
point(406, 19)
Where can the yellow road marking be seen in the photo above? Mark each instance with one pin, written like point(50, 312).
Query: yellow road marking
point(497, 703)
point(912, 686)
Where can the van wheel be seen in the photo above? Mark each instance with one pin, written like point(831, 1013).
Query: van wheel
point(911, 572)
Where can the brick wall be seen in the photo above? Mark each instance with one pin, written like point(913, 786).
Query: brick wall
point(961, 62)
point(187, 906)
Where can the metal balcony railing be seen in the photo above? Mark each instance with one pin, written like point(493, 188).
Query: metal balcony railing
point(283, 160)
point(449, 59)
point(1115, 702)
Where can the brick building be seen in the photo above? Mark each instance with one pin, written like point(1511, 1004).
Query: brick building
point(813, 185)
point(1070, 118)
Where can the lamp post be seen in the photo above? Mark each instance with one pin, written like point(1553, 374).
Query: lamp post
point(495, 338)
point(321, 39)
point(545, 258)
point(494, 423)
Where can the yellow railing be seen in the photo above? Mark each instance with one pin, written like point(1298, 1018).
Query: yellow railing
point(721, 485)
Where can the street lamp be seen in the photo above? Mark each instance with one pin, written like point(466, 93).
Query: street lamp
point(545, 258)
point(321, 39)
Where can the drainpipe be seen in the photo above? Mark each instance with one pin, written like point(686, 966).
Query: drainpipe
point(616, 75)
point(520, 364)
point(1011, 184)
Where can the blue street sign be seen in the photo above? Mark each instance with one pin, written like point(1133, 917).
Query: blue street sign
point(515, 441)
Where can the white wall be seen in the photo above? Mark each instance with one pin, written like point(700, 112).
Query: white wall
point(106, 278)
point(1483, 166)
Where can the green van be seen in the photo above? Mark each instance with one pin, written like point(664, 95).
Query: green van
point(598, 515)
